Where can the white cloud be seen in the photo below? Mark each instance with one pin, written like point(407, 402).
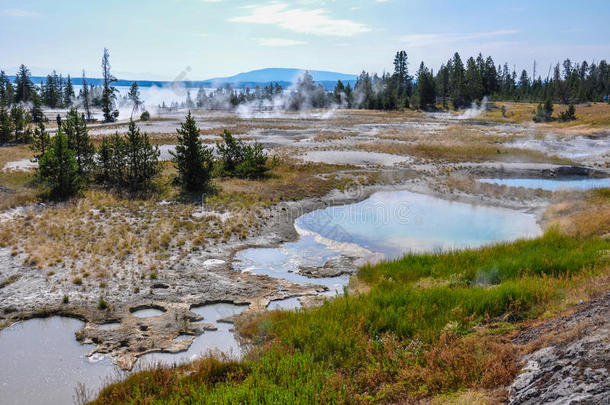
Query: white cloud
point(302, 21)
point(415, 40)
point(278, 42)
point(17, 12)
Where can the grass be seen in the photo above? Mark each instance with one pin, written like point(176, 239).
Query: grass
point(591, 115)
point(456, 151)
point(429, 325)
point(20, 188)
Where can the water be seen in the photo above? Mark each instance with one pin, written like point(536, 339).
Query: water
point(146, 313)
point(356, 158)
point(386, 225)
point(564, 183)
point(221, 340)
point(287, 304)
point(284, 262)
point(42, 362)
point(397, 222)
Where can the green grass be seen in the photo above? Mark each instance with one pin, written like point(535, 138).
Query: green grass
point(410, 336)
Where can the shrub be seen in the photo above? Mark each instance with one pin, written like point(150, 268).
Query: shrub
point(145, 116)
point(240, 159)
point(568, 115)
point(101, 304)
point(544, 113)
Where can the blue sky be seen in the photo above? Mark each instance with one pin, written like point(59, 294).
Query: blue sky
point(199, 39)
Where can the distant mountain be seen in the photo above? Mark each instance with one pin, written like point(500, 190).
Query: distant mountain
point(282, 75)
point(251, 79)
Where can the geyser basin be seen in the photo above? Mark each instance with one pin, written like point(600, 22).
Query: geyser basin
point(42, 362)
point(563, 183)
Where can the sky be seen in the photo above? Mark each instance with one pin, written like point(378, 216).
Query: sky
point(201, 39)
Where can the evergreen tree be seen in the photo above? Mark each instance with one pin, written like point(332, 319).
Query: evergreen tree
point(141, 158)
point(50, 91)
point(425, 88)
point(41, 141)
point(85, 96)
point(192, 159)
point(79, 141)
point(58, 170)
point(473, 82)
point(111, 161)
point(6, 124)
point(7, 93)
point(36, 111)
point(457, 79)
point(108, 90)
point(68, 92)
point(134, 97)
point(23, 85)
point(339, 92)
point(21, 119)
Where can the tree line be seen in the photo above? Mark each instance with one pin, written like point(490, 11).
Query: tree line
point(457, 84)
point(69, 161)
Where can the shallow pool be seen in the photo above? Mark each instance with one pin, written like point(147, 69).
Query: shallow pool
point(220, 340)
point(41, 363)
point(563, 183)
point(397, 222)
point(386, 225)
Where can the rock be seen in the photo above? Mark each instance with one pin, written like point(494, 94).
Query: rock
point(337, 266)
point(574, 367)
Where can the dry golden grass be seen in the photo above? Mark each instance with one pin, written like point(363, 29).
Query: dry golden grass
point(19, 183)
point(451, 151)
point(472, 186)
point(582, 215)
point(595, 115)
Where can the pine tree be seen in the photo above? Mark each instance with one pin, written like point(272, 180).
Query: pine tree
point(68, 92)
point(6, 124)
point(51, 94)
point(7, 93)
point(401, 74)
point(108, 90)
point(443, 84)
point(23, 85)
point(111, 161)
point(58, 170)
point(192, 159)
point(79, 141)
point(457, 82)
point(141, 158)
point(85, 96)
point(134, 97)
point(21, 119)
point(41, 141)
point(36, 111)
point(425, 88)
